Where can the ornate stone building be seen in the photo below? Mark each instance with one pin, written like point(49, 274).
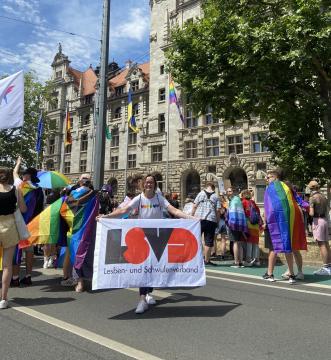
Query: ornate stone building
point(182, 155)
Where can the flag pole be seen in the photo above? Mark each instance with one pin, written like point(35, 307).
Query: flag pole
point(126, 162)
point(168, 124)
point(99, 147)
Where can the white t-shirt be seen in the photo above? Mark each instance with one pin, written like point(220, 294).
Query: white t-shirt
point(149, 208)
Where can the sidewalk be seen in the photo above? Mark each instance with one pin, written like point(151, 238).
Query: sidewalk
point(258, 272)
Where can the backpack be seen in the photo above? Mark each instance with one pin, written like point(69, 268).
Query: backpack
point(211, 204)
point(254, 216)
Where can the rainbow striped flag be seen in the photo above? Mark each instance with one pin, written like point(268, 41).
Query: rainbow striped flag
point(67, 224)
point(131, 119)
point(284, 219)
point(173, 99)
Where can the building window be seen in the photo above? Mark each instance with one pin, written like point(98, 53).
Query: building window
point(257, 142)
point(82, 166)
point(191, 149)
point(88, 99)
point(71, 119)
point(58, 74)
point(54, 104)
point(115, 138)
point(212, 147)
point(85, 119)
point(67, 149)
point(162, 94)
point(261, 166)
point(84, 142)
point(118, 113)
point(211, 169)
point(209, 119)
point(114, 162)
point(190, 120)
point(260, 189)
point(135, 85)
point(157, 153)
point(235, 144)
point(132, 161)
point(132, 137)
point(161, 123)
point(119, 90)
point(161, 69)
point(135, 109)
point(66, 169)
point(51, 146)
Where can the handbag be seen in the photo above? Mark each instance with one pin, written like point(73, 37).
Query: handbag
point(22, 229)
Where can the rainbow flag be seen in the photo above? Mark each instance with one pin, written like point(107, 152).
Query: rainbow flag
point(173, 99)
point(236, 218)
point(284, 219)
point(67, 224)
point(34, 198)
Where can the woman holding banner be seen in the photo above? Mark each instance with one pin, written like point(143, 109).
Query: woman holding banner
point(148, 205)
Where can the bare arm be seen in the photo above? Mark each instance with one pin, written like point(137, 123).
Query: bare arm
point(311, 211)
point(17, 168)
point(194, 209)
point(20, 201)
point(119, 211)
point(179, 214)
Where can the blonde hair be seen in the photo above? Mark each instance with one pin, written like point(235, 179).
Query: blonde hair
point(246, 194)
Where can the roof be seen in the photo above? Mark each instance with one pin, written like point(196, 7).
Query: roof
point(87, 79)
point(120, 79)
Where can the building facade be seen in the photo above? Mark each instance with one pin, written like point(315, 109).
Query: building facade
point(182, 155)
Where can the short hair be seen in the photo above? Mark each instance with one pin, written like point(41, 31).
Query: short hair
point(246, 194)
point(152, 176)
point(273, 172)
point(5, 175)
point(210, 184)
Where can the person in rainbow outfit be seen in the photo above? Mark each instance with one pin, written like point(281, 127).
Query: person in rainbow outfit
point(284, 224)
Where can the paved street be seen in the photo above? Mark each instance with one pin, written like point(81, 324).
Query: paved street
point(236, 316)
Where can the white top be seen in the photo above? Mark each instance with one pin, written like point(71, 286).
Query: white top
point(149, 208)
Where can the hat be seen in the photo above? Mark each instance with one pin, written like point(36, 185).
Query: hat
point(313, 185)
point(33, 174)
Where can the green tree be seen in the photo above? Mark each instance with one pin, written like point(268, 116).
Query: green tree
point(269, 59)
point(22, 141)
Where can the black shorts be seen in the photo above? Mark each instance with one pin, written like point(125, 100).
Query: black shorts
point(267, 240)
point(235, 235)
point(208, 229)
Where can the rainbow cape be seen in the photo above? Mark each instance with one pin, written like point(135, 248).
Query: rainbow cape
point(66, 224)
point(236, 218)
point(284, 219)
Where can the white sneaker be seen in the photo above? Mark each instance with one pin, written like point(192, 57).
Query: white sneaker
point(45, 266)
point(285, 276)
point(300, 276)
point(291, 279)
point(3, 304)
point(141, 307)
point(323, 271)
point(69, 282)
point(248, 263)
point(50, 263)
point(150, 300)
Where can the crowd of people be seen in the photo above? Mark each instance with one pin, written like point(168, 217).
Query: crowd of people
point(229, 217)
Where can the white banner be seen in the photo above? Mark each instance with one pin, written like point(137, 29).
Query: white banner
point(12, 101)
point(148, 253)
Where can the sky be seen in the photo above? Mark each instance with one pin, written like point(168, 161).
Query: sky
point(33, 47)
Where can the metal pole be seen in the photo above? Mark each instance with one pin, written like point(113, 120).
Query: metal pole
point(99, 148)
point(126, 162)
point(167, 165)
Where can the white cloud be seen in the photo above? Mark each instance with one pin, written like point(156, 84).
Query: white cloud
point(79, 17)
point(136, 27)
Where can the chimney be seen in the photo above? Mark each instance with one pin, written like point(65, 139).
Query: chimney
point(128, 64)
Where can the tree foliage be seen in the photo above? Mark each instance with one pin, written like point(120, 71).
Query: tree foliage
point(269, 59)
point(22, 141)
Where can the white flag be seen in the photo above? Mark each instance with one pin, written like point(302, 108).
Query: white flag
point(12, 101)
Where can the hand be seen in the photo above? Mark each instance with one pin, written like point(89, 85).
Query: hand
point(19, 160)
point(99, 217)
